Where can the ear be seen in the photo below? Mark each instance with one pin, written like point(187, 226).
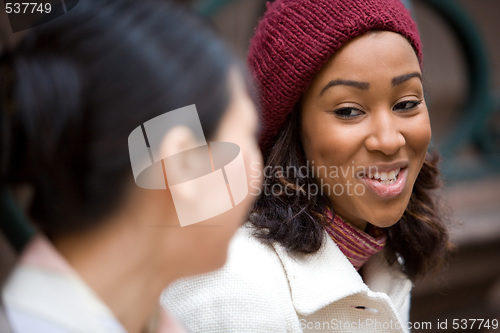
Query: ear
point(183, 160)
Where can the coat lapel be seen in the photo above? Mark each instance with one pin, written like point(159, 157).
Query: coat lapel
point(319, 279)
point(381, 277)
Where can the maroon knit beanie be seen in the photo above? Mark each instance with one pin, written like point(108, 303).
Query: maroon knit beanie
point(295, 38)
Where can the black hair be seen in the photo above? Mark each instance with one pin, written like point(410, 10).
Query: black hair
point(77, 86)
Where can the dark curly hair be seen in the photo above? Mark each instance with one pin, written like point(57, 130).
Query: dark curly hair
point(419, 239)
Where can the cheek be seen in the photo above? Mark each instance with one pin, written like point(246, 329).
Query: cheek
point(418, 134)
point(327, 143)
point(253, 167)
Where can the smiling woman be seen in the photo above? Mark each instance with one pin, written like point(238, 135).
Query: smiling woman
point(346, 217)
point(366, 108)
point(361, 107)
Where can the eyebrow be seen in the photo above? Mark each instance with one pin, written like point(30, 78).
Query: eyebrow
point(350, 83)
point(365, 85)
point(405, 77)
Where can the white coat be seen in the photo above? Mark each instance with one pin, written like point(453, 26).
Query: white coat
point(262, 288)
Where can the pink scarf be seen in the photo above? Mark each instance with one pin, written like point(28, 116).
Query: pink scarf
point(356, 245)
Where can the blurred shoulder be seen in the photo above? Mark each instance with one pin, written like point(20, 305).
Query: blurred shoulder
point(248, 294)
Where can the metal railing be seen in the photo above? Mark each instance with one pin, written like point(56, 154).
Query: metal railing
point(474, 126)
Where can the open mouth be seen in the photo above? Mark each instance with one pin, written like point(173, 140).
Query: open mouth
point(385, 178)
point(386, 184)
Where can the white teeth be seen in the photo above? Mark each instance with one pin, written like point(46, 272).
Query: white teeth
point(385, 178)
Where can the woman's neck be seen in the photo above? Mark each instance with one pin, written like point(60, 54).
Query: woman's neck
point(118, 263)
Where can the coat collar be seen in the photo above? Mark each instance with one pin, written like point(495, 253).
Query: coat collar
point(326, 276)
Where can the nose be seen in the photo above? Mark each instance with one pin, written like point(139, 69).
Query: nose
point(385, 133)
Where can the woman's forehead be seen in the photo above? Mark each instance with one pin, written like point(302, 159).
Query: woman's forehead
point(370, 55)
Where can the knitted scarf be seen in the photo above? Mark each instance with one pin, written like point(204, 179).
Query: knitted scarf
point(356, 245)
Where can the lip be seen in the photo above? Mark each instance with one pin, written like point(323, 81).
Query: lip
point(385, 167)
point(391, 190)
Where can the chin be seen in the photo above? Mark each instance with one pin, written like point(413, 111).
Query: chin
point(385, 220)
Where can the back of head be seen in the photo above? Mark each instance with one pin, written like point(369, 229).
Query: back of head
point(77, 86)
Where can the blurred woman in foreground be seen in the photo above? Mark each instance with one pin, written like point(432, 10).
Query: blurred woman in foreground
point(74, 90)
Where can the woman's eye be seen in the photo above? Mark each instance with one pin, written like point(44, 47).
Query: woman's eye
point(348, 113)
point(406, 105)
